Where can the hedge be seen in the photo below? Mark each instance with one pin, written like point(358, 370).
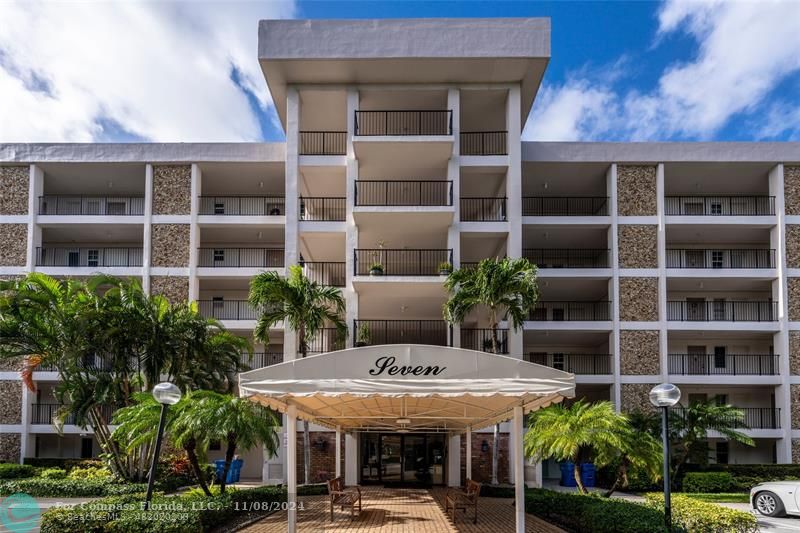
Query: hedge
point(66, 464)
point(702, 517)
point(68, 488)
point(709, 482)
point(593, 514)
point(16, 471)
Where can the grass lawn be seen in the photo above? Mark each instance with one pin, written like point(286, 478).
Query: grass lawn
point(725, 497)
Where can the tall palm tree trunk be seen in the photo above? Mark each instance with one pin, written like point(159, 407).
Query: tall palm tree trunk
point(576, 473)
point(191, 453)
point(229, 451)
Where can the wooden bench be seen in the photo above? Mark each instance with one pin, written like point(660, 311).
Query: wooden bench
point(344, 496)
point(462, 499)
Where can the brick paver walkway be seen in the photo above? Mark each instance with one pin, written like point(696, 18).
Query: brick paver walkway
point(401, 511)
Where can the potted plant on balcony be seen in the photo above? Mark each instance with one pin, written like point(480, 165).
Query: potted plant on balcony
point(363, 336)
point(376, 269)
point(445, 268)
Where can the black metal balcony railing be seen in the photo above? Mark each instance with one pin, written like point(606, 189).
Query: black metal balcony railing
point(88, 257)
point(690, 364)
point(374, 332)
point(63, 204)
point(240, 257)
point(483, 209)
point(720, 258)
point(406, 262)
point(484, 143)
point(566, 257)
point(323, 209)
point(227, 309)
point(95, 363)
point(480, 339)
point(576, 363)
point(549, 206)
point(404, 192)
point(243, 205)
point(754, 417)
point(719, 205)
point(722, 311)
point(45, 413)
point(262, 359)
point(571, 311)
point(411, 122)
point(327, 340)
point(327, 273)
point(323, 143)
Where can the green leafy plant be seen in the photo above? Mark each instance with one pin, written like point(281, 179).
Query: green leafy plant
point(53, 473)
point(445, 268)
point(14, 471)
point(696, 515)
point(376, 269)
point(90, 473)
point(363, 335)
point(708, 482)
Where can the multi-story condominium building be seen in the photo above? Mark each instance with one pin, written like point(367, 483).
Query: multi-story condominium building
point(657, 262)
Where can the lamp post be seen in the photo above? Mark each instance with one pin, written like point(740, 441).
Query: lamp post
point(665, 396)
point(166, 394)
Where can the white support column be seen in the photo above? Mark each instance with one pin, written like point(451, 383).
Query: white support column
point(194, 232)
point(292, 180)
point(350, 458)
point(291, 464)
point(454, 176)
point(35, 190)
point(514, 196)
point(613, 345)
point(469, 452)
point(663, 362)
point(519, 471)
point(454, 461)
point(338, 451)
point(351, 230)
point(147, 238)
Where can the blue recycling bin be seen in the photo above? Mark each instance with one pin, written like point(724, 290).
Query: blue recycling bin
point(588, 474)
point(234, 472)
point(236, 468)
point(567, 476)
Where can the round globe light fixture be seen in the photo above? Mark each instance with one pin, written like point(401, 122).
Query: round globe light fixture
point(167, 393)
point(665, 395)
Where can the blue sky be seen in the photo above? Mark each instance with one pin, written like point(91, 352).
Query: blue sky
point(672, 70)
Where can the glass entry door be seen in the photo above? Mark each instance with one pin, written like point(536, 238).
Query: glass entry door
point(391, 458)
point(408, 458)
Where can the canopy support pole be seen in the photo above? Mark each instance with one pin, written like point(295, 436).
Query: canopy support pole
point(338, 451)
point(291, 463)
point(519, 470)
point(469, 452)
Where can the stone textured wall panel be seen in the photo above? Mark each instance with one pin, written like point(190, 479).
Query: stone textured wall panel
point(794, 298)
point(638, 299)
point(170, 245)
point(638, 246)
point(14, 190)
point(10, 402)
point(636, 190)
point(13, 244)
point(10, 445)
point(793, 246)
point(794, 353)
point(639, 352)
point(636, 397)
point(174, 288)
point(791, 189)
point(172, 189)
point(795, 394)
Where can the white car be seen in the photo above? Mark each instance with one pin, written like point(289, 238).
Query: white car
point(776, 498)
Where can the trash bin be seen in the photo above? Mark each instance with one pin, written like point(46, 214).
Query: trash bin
point(567, 475)
point(588, 474)
point(236, 468)
point(233, 472)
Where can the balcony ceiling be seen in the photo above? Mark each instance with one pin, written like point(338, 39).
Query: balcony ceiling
point(404, 51)
point(81, 234)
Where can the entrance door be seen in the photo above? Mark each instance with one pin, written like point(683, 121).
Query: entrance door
point(391, 458)
point(414, 459)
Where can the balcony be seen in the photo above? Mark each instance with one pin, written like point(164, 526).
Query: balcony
point(564, 206)
point(227, 309)
point(242, 205)
point(719, 205)
point(327, 340)
point(480, 339)
point(484, 143)
point(91, 205)
point(323, 143)
point(240, 257)
point(720, 258)
point(405, 262)
point(375, 332)
point(262, 359)
point(88, 257)
point(323, 209)
point(567, 257)
point(754, 417)
point(403, 123)
point(45, 413)
point(327, 273)
point(483, 209)
point(723, 364)
point(722, 311)
point(404, 193)
point(571, 311)
point(576, 363)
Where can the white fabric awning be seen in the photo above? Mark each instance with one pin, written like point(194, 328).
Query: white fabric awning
point(408, 386)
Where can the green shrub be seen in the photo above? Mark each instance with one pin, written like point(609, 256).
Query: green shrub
point(746, 477)
point(708, 482)
point(497, 491)
point(16, 471)
point(66, 464)
point(593, 514)
point(53, 473)
point(68, 488)
point(312, 490)
point(697, 516)
point(90, 473)
point(86, 517)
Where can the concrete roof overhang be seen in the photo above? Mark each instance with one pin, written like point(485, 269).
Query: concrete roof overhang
point(404, 51)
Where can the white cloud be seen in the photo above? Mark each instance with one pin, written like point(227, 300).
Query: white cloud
point(160, 70)
point(571, 112)
point(744, 50)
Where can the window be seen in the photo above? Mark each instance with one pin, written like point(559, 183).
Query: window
point(219, 256)
point(558, 361)
point(115, 208)
point(716, 259)
point(93, 258)
point(218, 307)
point(695, 259)
point(558, 314)
point(719, 309)
point(73, 258)
point(721, 399)
point(723, 452)
point(219, 208)
point(720, 359)
point(716, 208)
point(540, 358)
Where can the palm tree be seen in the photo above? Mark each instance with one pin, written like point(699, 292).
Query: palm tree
point(575, 433)
point(306, 307)
point(505, 288)
point(638, 452)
